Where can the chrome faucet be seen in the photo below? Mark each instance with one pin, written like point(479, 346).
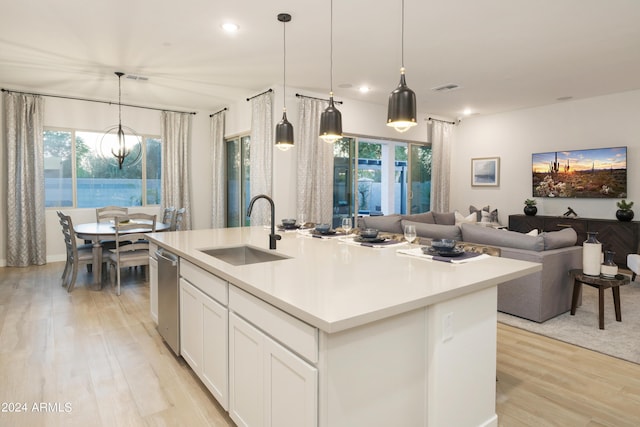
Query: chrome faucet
point(273, 236)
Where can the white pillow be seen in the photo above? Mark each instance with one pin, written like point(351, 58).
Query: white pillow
point(471, 218)
point(533, 232)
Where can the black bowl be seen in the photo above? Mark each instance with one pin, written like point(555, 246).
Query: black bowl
point(443, 245)
point(323, 228)
point(288, 222)
point(369, 233)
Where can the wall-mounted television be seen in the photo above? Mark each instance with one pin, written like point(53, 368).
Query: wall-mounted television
point(592, 173)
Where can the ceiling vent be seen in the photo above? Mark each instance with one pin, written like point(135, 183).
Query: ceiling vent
point(446, 88)
point(140, 78)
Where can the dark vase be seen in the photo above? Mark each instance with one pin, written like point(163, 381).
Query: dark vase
point(530, 210)
point(624, 215)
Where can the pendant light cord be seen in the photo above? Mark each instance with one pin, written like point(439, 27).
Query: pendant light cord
point(402, 39)
point(284, 64)
point(331, 50)
point(119, 101)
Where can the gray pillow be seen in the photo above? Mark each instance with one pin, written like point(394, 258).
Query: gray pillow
point(559, 239)
point(435, 231)
point(445, 218)
point(426, 217)
point(478, 212)
point(387, 223)
point(495, 237)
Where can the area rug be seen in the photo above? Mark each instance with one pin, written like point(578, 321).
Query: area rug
point(618, 339)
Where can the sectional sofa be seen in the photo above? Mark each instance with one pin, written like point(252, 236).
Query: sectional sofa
point(539, 296)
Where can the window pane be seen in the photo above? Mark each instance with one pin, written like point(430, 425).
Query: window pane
point(400, 180)
point(420, 178)
point(234, 183)
point(369, 178)
point(57, 169)
point(246, 188)
point(154, 171)
point(99, 180)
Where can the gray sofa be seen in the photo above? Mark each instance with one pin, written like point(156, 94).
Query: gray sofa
point(539, 296)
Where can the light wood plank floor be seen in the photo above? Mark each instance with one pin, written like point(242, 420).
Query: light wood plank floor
point(100, 355)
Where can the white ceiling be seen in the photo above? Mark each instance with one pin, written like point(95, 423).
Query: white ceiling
point(505, 54)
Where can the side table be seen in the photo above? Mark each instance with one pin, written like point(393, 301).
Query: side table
point(601, 283)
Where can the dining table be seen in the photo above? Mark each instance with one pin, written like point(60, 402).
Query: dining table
point(98, 231)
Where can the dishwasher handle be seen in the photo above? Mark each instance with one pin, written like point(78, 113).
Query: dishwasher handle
point(168, 256)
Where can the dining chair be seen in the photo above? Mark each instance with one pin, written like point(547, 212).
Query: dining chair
point(132, 246)
point(177, 222)
point(168, 215)
point(76, 254)
point(106, 214)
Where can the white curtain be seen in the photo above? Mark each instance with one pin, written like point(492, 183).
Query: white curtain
point(441, 140)
point(176, 165)
point(315, 165)
point(26, 234)
point(262, 144)
point(219, 172)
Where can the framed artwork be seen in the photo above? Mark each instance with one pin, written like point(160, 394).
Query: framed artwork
point(485, 172)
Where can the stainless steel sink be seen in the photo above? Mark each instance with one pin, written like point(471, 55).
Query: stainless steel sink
point(243, 255)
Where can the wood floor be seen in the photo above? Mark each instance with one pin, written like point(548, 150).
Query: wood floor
point(92, 358)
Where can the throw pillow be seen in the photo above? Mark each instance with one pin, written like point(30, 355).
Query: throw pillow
point(387, 223)
point(478, 212)
point(533, 232)
point(494, 237)
point(559, 239)
point(461, 218)
point(444, 218)
point(426, 217)
point(435, 231)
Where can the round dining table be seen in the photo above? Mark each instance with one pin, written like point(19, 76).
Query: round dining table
point(97, 231)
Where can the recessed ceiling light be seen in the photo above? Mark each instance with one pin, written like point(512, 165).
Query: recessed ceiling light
point(363, 89)
point(230, 27)
point(467, 111)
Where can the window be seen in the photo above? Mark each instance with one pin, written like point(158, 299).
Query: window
point(77, 176)
point(238, 151)
point(384, 177)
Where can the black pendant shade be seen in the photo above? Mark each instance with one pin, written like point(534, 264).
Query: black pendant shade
point(284, 129)
point(284, 133)
point(401, 114)
point(331, 123)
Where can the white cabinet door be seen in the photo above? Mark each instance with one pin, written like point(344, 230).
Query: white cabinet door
point(215, 350)
point(191, 325)
point(153, 288)
point(269, 385)
point(245, 373)
point(290, 389)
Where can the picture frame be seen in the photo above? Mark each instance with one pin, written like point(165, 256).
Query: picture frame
point(485, 172)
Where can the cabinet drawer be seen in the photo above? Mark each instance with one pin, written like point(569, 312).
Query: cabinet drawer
point(211, 285)
point(293, 333)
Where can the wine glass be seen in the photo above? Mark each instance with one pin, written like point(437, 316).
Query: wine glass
point(410, 233)
point(346, 225)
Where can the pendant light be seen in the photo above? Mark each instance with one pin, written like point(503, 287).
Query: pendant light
point(331, 118)
point(401, 114)
point(113, 143)
point(284, 129)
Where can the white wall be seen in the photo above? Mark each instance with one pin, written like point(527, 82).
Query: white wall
point(606, 121)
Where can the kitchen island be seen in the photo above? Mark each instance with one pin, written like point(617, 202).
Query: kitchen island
point(336, 334)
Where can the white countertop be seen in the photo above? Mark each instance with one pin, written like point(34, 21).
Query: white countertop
point(336, 286)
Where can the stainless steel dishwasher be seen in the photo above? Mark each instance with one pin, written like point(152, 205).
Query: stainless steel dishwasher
point(168, 299)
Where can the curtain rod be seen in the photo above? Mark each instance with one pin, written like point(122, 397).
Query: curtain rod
point(95, 100)
point(319, 99)
point(218, 112)
point(261, 93)
point(442, 121)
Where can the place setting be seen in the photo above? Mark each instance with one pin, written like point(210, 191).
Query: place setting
point(371, 237)
point(444, 250)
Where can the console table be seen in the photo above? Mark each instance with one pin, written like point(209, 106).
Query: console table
point(620, 237)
